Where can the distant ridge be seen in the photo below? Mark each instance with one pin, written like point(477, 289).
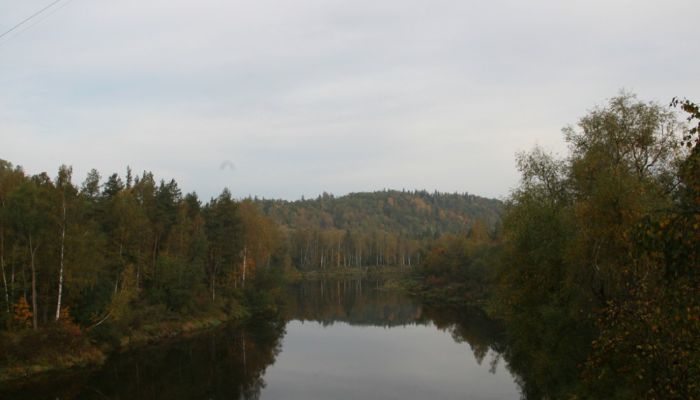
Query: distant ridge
point(416, 214)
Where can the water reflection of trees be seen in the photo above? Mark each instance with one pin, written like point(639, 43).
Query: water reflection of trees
point(354, 301)
point(535, 343)
point(474, 327)
point(364, 302)
point(230, 363)
point(225, 364)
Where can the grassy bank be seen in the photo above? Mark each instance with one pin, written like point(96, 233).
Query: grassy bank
point(157, 332)
point(67, 345)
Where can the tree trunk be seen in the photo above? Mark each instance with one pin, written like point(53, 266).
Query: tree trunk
point(24, 280)
point(213, 290)
point(213, 284)
point(245, 257)
point(12, 281)
point(245, 364)
point(4, 281)
point(32, 254)
point(2, 267)
point(138, 270)
point(155, 254)
point(60, 269)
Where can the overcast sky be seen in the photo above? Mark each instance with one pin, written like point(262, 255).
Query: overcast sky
point(297, 97)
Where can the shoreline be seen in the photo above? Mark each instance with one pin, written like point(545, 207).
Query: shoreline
point(369, 271)
point(95, 355)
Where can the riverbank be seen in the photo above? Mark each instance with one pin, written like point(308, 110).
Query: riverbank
point(349, 272)
point(28, 358)
point(452, 296)
point(346, 320)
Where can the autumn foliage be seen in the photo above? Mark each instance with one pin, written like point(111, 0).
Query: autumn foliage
point(597, 278)
point(22, 314)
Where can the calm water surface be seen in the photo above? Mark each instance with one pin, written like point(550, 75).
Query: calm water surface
point(337, 340)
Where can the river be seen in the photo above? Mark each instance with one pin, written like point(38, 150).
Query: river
point(339, 339)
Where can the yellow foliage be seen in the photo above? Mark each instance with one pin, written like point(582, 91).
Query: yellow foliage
point(22, 314)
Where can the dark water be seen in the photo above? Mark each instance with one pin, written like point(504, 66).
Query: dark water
point(337, 340)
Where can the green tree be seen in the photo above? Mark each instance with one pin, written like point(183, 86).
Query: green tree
point(30, 214)
point(583, 279)
point(10, 179)
point(224, 233)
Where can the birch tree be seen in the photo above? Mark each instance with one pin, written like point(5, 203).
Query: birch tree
point(66, 191)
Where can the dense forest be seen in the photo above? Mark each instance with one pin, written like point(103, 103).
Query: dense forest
point(109, 259)
point(595, 271)
point(128, 258)
point(375, 229)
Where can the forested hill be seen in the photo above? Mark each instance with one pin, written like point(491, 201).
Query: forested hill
point(416, 214)
point(375, 229)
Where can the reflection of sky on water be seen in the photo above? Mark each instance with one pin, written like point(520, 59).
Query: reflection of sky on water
point(341, 361)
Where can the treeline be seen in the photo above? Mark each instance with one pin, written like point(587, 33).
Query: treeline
point(595, 275)
point(119, 251)
point(123, 252)
point(373, 229)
